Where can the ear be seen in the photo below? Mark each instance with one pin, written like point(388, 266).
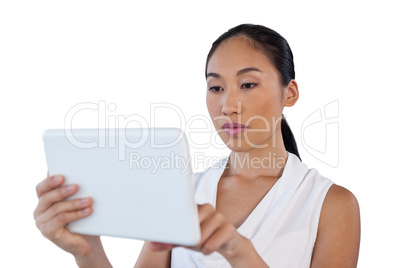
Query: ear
point(291, 94)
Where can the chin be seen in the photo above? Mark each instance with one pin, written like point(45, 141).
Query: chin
point(236, 145)
point(242, 143)
point(239, 149)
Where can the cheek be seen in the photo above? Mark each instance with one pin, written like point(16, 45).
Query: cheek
point(214, 112)
point(263, 113)
point(261, 107)
point(212, 106)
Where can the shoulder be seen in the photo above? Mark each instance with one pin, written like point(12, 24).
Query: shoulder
point(307, 179)
point(339, 200)
point(338, 236)
point(340, 207)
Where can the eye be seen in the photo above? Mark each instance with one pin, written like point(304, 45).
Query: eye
point(248, 85)
point(215, 89)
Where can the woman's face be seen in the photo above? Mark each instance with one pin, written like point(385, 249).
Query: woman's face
point(243, 87)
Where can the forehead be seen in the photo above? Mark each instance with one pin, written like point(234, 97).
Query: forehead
point(237, 53)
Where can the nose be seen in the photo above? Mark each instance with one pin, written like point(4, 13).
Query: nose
point(231, 103)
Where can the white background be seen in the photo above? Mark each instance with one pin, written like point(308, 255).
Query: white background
point(57, 54)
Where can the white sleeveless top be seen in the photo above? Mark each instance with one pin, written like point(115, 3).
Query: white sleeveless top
point(283, 226)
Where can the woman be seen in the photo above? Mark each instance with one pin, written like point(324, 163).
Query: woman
point(252, 214)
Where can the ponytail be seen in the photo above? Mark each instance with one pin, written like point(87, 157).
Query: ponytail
point(288, 138)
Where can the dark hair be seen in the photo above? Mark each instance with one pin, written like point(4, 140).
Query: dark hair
point(278, 52)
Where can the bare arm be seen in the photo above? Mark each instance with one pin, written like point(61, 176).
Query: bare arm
point(338, 236)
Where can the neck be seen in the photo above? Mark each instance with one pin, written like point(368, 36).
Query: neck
point(256, 162)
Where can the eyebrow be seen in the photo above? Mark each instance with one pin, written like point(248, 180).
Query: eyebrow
point(240, 72)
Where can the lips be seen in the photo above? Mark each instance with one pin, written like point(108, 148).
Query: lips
point(233, 125)
point(233, 128)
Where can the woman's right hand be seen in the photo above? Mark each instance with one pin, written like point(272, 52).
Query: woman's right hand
point(53, 213)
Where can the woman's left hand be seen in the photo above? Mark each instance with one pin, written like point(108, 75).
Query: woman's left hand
point(216, 235)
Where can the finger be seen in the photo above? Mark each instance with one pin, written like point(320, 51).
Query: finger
point(64, 206)
point(205, 211)
point(48, 184)
point(219, 239)
point(209, 226)
point(53, 196)
point(52, 227)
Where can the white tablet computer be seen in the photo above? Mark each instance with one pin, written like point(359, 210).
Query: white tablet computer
point(139, 179)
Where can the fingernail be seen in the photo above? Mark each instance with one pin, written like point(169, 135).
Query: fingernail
point(69, 189)
point(56, 179)
point(85, 201)
point(85, 211)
